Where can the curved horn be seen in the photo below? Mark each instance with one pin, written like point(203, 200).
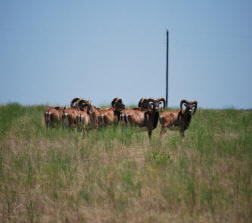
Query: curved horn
point(195, 106)
point(140, 103)
point(162, 100)
point(184, 101)
point(82, 103)
point(78, 101)
point(73, 102)
point(114, 101)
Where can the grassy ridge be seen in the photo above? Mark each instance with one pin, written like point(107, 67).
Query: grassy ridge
point(117, 175)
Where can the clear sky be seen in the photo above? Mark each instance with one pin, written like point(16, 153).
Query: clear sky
point(52, 51)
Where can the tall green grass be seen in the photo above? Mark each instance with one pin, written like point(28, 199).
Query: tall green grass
point(116, 174)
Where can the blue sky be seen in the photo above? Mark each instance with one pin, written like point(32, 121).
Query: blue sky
point(52, 51)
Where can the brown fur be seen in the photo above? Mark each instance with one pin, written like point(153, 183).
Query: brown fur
point(53, 116)
point(83, 121)
point(110, 115)
point(145, 116)
point(70, 117)
point(103, 117)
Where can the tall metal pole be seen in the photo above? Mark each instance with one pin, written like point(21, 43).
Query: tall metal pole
point(167, 66)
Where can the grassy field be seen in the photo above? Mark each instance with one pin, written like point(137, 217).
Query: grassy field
point(117, 175)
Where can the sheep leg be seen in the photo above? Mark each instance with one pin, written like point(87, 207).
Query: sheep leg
point(149, 133)
point(47, 119)
point(182, 133)
point(163, 130)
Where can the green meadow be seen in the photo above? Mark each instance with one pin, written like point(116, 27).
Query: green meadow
point(117, 174)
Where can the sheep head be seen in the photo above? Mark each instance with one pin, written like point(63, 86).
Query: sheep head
point(85, 105)
point(117, 104)
point(153, 104)
point(190, 107)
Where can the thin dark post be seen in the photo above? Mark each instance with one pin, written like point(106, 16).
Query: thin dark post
point(167, 66)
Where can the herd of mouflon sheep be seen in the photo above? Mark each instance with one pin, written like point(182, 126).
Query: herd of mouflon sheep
point(85, 116)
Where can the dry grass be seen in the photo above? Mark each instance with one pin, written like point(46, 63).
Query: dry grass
point(117, 175)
